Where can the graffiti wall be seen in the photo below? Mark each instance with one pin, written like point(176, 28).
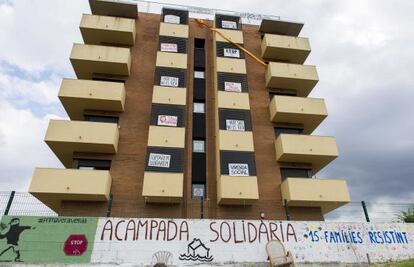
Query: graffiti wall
point(47, 239)
point(186, 242)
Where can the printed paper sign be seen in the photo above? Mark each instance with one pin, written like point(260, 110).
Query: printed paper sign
point(199, 74)
point(167, 47)
point(166, 120)
point(228, 24)
point(169, 81)
point(172, 19)
point(231, 52)
point(238, 169)
point(235, 125)
point(198, 146)
point(232, 87)
point(159, 160)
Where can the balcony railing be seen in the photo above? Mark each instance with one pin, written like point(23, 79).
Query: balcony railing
point(104, 30)
point(80, 95)
point(66, 137)
point(308, 112)
point(305, 192)
point(90, 60)
point(315, 150)
point(51, 186)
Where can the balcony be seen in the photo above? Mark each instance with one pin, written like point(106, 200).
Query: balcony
point(171, 60)
point(66, 137)
point(301, 78)
point(237, 190)
point(233, 100)
point(112, 8)
point(315, 150)
point(285, 48)
point(231, 65)
point(162, 187)
point(234, 36)
point(174, 30)
point(306, 192)
point(90, 60)
point(309, 112)
point(79, 95)
point(51, 186)
point(104, 30)
point(169, 95)
point(166, 136)
point(280, 27)
point(235, 140)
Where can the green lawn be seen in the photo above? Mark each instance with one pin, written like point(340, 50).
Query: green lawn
point(407, 263)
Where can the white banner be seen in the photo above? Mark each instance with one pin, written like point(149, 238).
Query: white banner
point(159, 160)
point(232, 87)
point(166, 120)
point(167, 47)
point(172, 19)
point(238, 169)
point(231, 52)
point(217, 242)
point(199, 74)
point(228, 24)
point(169, 81)
point(235, 125)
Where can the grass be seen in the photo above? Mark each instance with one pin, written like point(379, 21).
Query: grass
point(406, 263)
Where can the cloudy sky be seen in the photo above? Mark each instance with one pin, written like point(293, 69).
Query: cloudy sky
point(363, 50)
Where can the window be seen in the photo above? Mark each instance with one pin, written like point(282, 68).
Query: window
point(199, 107)
point(199, 146)
point(92, 164)
point(99, 118)
point(294, 172)
point(286, 130)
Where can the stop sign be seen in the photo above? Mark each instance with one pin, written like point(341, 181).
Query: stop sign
point(75, 245)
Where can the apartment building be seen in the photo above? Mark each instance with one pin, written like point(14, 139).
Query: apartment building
point(175, 117)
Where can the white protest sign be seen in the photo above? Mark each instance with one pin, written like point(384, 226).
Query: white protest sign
point(172, 19)
point(228, 24)
point(235, 125)
point(159, 160)
point(166, 120)
point(238, 169)
point(231, 52)
point(169, 81)
point(168, 47)
point(232, 87)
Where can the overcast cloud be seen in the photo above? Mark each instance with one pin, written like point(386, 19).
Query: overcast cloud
point(363, 51)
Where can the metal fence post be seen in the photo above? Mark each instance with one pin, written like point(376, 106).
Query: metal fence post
point(364, 207)
point(286, 210)
point(202, 208)
point(108, 211)
point(9, 203)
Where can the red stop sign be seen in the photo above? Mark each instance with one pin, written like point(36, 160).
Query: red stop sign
point(75, 245)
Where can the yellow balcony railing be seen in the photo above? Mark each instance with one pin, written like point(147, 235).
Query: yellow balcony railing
point(309, 112)
point(316, 150)
point(301, 78)
point(66, 137)
point(237, 190)
point(285, 48)
point(305, 192)
point(163, 187)
point(51, 186)
point(90, 60)
point(80, 95)
point(105, 30)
